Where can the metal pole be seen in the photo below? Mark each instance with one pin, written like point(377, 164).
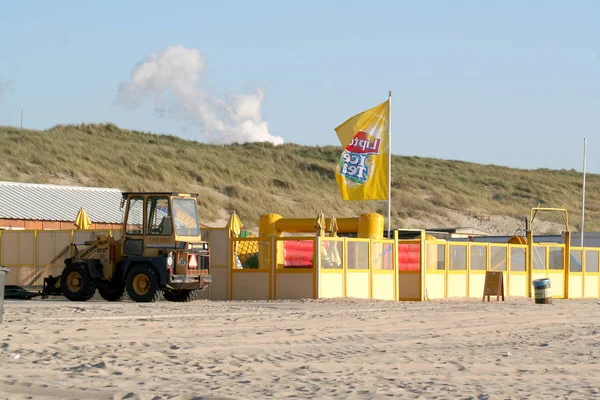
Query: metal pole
point(389, 164)
point(583, 191)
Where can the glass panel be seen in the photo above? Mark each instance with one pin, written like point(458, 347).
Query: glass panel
point(591, 261)
point(575, 261)
point(186, 217)
point(458, 258)
point(135, 217)
point(498, 259)
point(478, 258)
point(517, 259)
point(159, 217)
point(382, 256)
point(331, 255)
point(358, 255)
point(247, 254)
point(539, 258)
point(557, 258)
point(441, 257)
point(435, 256)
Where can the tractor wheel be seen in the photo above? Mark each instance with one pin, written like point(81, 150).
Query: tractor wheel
point(181, 296)
point(76, 283)
point(113, 291)
point(142, 284)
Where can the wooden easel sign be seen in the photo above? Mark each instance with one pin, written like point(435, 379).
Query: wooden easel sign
point(494, 285)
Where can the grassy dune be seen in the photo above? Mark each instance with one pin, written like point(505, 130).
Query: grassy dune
point(291, 180)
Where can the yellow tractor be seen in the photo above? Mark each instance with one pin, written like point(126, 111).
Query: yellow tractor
point(160, 253)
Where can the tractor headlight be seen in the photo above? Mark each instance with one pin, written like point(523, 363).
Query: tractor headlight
point(170, 260)
point(205, 246)
point(189, 246)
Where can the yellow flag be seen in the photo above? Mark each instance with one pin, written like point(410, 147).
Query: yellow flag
point(362, 171)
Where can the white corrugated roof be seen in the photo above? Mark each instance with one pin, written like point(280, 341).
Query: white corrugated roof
point(59, 203)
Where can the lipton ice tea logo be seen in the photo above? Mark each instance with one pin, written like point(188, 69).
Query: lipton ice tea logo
point(354, 163)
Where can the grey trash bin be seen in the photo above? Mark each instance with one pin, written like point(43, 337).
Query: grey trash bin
point(3, 272)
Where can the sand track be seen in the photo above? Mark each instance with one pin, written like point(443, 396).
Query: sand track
point(334, 349)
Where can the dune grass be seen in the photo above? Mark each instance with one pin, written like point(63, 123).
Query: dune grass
point(292, 180)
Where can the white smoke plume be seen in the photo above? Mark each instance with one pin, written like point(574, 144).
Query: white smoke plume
point(172, 79)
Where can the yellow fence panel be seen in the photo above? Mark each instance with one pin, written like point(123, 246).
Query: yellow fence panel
point(458, 278)
point(517, 276)
point(436, 269)
point(383, 277)
point(331, 278)
point(295, 269)
point(253, 278)
point(477, 265)
point(576, 273)
point(357, 274)
point(591, 283)
point(220, 255)
point(409, 267)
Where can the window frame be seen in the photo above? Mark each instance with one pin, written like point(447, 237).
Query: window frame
point(129, 203)
point(148, 211)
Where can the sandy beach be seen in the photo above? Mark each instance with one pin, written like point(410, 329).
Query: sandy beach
point(326, 349)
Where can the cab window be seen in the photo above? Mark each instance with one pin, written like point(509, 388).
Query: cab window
point(135, 216)
point(186, 217)
point(159, 216)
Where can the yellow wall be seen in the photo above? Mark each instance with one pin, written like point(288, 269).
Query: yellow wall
point(591, 285)
point(331, 284)
point(27, 252)
point(575, 286)
point(219, 287)
point(457, 284)
point(517, 285)
point(557, 283)
point(435, 284)
point(357, 284)
point(294, 285)
point(477, 283)
point(251, 285)
point(383, 285)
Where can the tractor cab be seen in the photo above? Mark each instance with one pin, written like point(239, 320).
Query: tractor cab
point(158, 223)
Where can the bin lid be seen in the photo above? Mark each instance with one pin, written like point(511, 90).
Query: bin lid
point(4, 269)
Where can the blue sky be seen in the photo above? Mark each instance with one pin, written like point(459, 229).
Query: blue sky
point(509, 83)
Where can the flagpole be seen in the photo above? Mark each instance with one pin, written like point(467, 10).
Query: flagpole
point(583, 194)
point(390, 165)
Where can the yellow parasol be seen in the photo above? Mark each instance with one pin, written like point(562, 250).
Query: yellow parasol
point(333, 227)
point(332, 250)
point(235, 224)
point(321, 224)
point(82, 220)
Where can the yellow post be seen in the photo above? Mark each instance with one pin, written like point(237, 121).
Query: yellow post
point(446, 267)
point(468, 266)
point(529, 261)
point(423, 266)
point(317, 268)
point(345, 267)
point(395, 267)
point(567, 261)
